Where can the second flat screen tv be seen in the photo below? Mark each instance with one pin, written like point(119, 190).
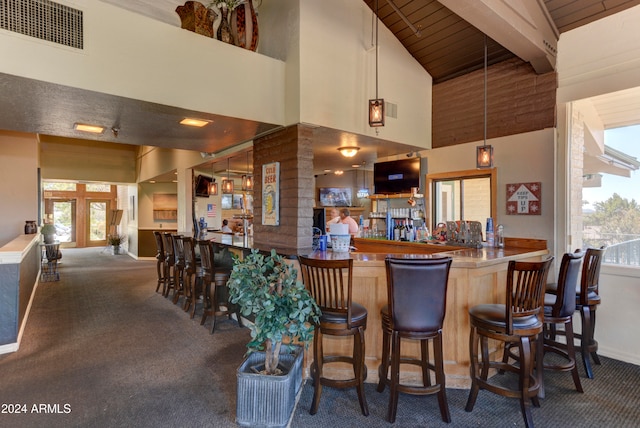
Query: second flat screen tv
point(397, 176)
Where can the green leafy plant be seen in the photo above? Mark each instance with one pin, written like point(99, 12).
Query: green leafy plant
point(48, 229)
point(266, 286)
point(115, 239)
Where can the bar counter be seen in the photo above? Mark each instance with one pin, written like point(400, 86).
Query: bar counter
point(477, 276)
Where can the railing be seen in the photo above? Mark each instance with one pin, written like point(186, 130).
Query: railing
point(626, 252)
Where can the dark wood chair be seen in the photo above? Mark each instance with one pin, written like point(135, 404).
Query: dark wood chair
point(51, 255)
point(215, 291)
point(559, 309)
point(178, 268)
point(193, 276)
point(587, 301)
point(169, 265)
point(518, 321)
point(330, 283)
point(417, 296)
point(161, 257)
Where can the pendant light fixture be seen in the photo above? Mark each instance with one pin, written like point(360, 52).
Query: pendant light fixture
point(376, 106)
point(247, 179)
point(213, 186)
point(227, 185)
point(484, 153)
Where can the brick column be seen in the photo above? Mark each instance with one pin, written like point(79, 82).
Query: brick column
point(292, 148)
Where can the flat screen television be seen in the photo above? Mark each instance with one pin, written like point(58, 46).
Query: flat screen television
point(319, 219)
point(397, 176)
point(202, 186)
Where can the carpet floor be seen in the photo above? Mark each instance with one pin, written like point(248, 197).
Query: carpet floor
point(103, 349)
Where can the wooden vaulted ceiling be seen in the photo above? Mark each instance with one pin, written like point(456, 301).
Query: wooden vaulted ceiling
point(449, 46)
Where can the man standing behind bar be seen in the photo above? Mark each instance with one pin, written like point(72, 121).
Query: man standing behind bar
point(345, 218)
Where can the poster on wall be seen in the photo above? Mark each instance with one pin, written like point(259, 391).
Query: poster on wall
point(524, 198)
point(271, 194)
point(211, 210)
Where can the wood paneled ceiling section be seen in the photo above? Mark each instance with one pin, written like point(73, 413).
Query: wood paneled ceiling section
point(450, 46)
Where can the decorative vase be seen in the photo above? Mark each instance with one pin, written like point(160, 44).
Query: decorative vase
point(265, 400)
point(30, 227)
point(244, 26)
point(49, 239)
point(116, 250)
point(224, 30)
point(196, 17)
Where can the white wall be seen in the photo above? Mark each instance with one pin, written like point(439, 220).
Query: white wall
point(18, 183)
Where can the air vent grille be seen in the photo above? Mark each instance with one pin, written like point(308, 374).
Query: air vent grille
point(391, 109)
point(44, 20)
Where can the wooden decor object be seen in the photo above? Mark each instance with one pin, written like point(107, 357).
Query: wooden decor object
point(197, 17)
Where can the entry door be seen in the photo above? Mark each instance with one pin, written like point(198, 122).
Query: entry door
point(97, 222)
point(64, 218)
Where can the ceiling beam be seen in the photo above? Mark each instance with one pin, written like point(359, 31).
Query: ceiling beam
point(524, 27)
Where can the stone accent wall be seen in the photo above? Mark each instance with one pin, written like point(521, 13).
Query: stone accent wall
point(292, 148)
point(576, 162)
point(518, 101)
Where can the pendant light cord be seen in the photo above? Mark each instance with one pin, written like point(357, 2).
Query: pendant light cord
point(377, 19)
point(485, 90)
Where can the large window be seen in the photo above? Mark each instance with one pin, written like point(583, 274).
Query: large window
point(461, 195)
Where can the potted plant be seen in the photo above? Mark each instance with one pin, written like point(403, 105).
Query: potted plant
point(48, 230)
point(115, 240)
point(266, 288)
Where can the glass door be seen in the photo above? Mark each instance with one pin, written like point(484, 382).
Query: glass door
point(64, 219)
point(97, 226)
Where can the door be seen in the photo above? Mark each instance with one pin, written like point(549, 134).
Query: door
point(64, 219)
point(97, 222)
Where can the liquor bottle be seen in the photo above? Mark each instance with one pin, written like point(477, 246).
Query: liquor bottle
point(410, 231)
point(396, 231)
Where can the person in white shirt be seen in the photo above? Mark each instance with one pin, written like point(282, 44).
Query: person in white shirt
point(225, 226)
point(335, 218)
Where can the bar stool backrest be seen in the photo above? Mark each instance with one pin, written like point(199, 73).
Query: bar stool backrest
point(590, 273)
point(169, 248)
point(178, 247)
point(189, 253)
point(206, 256)
point(330, 283)
point(160, 255)
point(417, 293)
point(565, 304)
point(525, 292)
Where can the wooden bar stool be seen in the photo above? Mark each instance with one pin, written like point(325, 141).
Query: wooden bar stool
point(519, 321)
point(330, 283)
point(215, 282)
point(559, 309)
point(169, 265)
point(161, 257)
point(178, 268)
point(417, 296)
point(193, 277)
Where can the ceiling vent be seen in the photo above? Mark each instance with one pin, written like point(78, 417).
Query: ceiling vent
point(44, 20)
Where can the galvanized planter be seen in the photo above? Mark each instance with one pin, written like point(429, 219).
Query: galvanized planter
point(268, 401)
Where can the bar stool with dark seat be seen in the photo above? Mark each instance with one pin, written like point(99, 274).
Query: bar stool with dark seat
point(215, 287)
point(559, 309)
point(519, 321)
point(193, 276)
point(330, 283)
point(169, 265)
point(161, 257)
point(587, 300)
point(178, 268)
point(417, 296)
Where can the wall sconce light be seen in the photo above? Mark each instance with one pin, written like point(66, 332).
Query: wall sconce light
point(227, 185)
point(348, 151)
point(484, 153)
point(247, 180)
point(376, 106)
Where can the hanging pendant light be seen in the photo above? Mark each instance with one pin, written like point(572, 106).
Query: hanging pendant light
point(227, 185)
point(247, 179)
point(484, 153)
point(213, 186)
point(376, 106)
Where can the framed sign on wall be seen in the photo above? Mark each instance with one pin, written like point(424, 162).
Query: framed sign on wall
point(271, 194)
point(524, 198)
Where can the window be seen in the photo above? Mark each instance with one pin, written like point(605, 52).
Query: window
point(98, 187)
point(468, 195)
point(62, 186)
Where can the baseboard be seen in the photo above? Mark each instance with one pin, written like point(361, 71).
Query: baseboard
point(616, 354)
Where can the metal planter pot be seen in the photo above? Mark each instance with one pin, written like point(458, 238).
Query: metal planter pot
point(268, 401)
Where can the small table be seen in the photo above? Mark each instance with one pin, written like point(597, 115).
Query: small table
point(49, 262)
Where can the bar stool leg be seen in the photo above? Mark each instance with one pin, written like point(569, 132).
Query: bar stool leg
point(316, 370)
point(440, 378)
point(360, 369)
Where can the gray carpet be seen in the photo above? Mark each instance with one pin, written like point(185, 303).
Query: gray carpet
point(102, 349)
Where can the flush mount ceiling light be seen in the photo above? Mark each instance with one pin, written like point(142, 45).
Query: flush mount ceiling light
point(194, 122)
point(339, 172)
point(348, 151)
point(94, 129)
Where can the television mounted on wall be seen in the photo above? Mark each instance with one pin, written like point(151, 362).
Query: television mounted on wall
point(202, 186)
point(397, 176)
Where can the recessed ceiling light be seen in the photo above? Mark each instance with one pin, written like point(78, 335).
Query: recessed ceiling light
point(94, 129)
point(356, 165)
point(152, 181)
point(327, 170)
point(194, 122)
